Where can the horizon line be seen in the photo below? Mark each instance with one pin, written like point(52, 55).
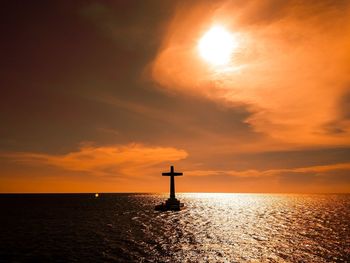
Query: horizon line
point(301, 193)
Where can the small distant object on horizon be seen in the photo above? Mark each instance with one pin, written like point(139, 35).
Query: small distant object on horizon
point(96, 195)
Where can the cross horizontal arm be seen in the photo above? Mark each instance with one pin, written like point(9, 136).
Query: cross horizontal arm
point(170, 174)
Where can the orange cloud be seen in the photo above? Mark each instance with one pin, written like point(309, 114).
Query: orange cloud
point(291, 69)
point(321, 169)
point(118, 160)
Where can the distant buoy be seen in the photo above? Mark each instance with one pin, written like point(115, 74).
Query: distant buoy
point(96, 195)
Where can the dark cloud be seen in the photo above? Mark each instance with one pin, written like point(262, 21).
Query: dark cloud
point(291, 159)
point(56, 56)
point(340, 125)
point(345, 106)
point(300, 158)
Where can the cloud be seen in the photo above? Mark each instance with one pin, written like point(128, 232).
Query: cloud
point(291, 70)
point(317, 171)
point(310, 179)
point(115, 160)
point(128, 23)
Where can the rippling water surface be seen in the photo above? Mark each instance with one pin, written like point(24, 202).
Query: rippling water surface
point(212, 228)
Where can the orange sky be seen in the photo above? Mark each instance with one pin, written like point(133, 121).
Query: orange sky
point(104, 96)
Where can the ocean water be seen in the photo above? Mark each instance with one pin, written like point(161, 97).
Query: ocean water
point(212, 228)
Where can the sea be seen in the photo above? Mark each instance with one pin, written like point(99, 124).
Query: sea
point(211, 228)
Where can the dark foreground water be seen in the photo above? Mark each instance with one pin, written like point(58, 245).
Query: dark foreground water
point(213, 228)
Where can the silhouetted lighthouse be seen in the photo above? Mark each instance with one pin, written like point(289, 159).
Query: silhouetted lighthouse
point(172, 203)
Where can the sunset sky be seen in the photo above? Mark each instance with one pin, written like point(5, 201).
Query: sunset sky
point(240, 96)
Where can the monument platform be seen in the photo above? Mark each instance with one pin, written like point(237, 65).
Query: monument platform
point(170, 205)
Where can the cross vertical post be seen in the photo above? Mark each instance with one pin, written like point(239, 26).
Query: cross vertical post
point(172, 186)
point(172, 174)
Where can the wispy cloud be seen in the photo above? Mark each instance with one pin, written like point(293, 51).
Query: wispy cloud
point(320, 170)
point(113, 160)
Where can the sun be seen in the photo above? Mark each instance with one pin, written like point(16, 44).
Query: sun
point(216, 46)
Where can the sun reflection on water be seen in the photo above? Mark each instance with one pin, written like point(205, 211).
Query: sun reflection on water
point(253, 227)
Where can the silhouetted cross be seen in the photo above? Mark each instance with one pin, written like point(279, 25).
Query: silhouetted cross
point(172, 181)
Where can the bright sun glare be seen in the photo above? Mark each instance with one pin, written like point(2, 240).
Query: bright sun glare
point(216, 46)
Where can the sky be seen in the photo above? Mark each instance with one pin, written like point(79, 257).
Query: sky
point(103, 96)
